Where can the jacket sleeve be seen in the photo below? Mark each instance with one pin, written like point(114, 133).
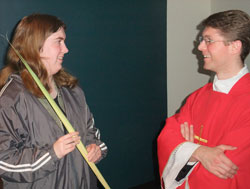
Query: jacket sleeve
point(93, 134)
point(19, 160)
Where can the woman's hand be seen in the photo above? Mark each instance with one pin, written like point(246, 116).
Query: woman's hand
point(66, 144)
point(94, 152)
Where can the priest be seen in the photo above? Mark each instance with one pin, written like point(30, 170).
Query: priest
point(207, 144)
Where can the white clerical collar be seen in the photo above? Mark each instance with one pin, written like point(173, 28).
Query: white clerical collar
point(224, 86)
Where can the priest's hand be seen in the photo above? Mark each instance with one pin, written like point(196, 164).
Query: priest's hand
point(94, 153)
point(187, 131)
point(215, 161)
point(66, 144)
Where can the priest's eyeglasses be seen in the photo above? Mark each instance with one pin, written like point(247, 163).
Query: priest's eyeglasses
point(210, 41)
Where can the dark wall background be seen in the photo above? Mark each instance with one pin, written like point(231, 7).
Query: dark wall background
point(117, 49)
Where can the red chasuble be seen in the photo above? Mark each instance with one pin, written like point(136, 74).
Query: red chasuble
point(226, 120)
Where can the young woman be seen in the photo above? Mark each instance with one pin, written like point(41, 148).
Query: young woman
point(35, 149)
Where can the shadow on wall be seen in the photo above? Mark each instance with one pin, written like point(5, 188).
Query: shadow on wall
point(200, 62)
point(199, 55)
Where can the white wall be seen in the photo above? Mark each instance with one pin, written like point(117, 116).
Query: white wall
point(182, 75)
point(182, 20)
point(222, 5)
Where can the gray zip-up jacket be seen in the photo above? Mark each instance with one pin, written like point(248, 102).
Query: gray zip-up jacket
point(28, 132)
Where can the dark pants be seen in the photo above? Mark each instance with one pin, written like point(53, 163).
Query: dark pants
point(93, 180)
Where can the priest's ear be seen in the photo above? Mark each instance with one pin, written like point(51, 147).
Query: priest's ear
point(236, 47)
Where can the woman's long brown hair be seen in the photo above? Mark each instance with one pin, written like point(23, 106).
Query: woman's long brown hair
point(28, 39)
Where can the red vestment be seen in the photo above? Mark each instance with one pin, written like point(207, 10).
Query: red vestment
point(226, 120)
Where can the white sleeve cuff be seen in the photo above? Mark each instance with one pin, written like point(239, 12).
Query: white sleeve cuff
point(176, 162)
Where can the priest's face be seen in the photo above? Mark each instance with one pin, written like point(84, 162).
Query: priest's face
point(215, 50)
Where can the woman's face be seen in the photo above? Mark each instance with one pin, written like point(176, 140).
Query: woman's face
point(53, 51)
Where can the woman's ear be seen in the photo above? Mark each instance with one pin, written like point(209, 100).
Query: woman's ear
point(41, 50)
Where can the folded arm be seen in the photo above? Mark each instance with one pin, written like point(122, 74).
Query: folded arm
point(212, 158)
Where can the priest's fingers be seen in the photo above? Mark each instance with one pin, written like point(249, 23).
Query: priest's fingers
point(228, 164)
point(186, 129)
point(191, 133)
point(220, 175)
point(182, 130)
point(226, 147)
point(215, 161)
point(226, 171)
point(229, 169)
point(187, 132)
